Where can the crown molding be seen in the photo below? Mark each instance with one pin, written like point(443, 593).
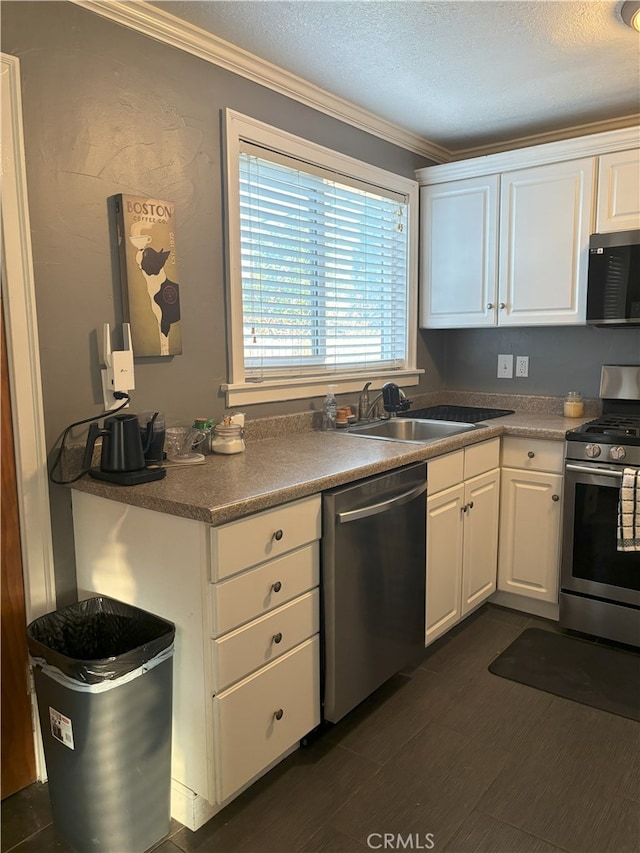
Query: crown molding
point(592, 145)
point(544, 138)
point(161, 26)
point(155, 23)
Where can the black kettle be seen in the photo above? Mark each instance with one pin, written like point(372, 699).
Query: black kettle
point(122, 457)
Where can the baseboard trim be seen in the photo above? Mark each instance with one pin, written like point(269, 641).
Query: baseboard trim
point(189, 808)
point(193, 811)
point(544, 609)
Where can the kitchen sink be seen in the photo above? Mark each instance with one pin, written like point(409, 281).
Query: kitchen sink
point(405, 429)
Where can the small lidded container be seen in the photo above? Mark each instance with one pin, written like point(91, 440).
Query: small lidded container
point(228, 436)
point(573, 405)
point(205, 426)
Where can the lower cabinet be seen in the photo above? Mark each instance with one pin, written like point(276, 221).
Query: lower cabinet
point(530, 518)
point(462, 534)
point(260, 717)
point(245, 601)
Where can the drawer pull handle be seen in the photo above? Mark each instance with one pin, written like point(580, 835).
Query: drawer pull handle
point(279, 714)
point(555, 497)
point(277, 586)
point(278, 535)
point(531, 454)
point(277, 638)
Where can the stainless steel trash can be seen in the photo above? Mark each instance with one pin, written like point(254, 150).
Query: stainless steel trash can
point(103, 674)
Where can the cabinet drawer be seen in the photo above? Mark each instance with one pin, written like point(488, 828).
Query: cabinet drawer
point(251, 594)
point(480, 458)
point(252, 540)
point(445, 471)
point(248, 734)
point(532, 454)
point(248, 648)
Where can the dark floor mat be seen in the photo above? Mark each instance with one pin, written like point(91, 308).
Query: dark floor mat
point(603, 677)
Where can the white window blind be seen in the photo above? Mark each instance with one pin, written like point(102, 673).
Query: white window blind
point(324, 266)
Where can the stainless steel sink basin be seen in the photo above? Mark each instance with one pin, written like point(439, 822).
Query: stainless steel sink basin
point(414, 429)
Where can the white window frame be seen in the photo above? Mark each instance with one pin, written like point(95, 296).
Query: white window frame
point(238, 391)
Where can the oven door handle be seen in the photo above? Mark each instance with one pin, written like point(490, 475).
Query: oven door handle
point(596, 472)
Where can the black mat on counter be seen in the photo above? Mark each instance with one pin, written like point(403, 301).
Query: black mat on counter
point(601, 676)
point(463, 414)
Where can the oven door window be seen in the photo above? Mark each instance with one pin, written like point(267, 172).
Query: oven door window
point(595, 554)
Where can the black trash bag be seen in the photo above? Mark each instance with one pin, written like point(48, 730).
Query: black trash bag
point(99, 639)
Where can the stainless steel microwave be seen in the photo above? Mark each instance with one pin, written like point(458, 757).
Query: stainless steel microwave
point(613, 289)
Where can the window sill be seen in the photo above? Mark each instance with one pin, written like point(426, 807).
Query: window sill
point(277, 390)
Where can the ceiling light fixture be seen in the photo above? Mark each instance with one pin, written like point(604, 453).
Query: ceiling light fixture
point(630, 14)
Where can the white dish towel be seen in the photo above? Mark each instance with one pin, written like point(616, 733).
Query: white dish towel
point(629, 511)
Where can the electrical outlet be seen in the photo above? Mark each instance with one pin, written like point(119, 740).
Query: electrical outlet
point(522, 365)
point(505, 367)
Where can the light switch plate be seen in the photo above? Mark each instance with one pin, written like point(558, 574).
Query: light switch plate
point(505, 366)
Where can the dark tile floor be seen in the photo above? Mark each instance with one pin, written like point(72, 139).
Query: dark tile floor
point(445, 757)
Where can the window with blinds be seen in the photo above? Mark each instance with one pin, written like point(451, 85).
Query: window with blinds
point(324, 268)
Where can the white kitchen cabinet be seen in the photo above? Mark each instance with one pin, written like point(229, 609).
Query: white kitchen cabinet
point(521, 259)
point(519, 262)
point(462, 534)
point(244, 598)
point(618, 206)
point(545, 223)
point(444, 561)
point(459, 253)
point(530, 518)
point(260, 717)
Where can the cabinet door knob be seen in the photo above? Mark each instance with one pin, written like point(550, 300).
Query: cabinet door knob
point(503, 305)
point(555, 497)
point(464, 508)
point(277, 638)
point(278, 535)
point(531, 454)
point(279, 714)
point(470, 504)
point(490, 305)
point(277, 586)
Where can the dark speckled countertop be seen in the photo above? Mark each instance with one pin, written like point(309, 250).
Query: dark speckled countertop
point(281, 468)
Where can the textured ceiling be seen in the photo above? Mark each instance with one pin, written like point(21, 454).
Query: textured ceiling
point(460, 73)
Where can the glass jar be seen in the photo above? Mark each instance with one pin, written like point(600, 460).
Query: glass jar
point(573, 405)
point(205, 426)
point(228, 439)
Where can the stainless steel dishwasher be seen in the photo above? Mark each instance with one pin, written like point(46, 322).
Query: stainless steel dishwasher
point(373, 581)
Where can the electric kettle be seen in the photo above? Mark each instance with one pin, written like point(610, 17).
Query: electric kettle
point(122, 456)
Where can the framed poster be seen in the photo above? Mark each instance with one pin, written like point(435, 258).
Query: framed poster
point(149, 274)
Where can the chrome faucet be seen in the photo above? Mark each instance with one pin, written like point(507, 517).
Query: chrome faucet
point(373, 409)
point(369, 410)
point(363, 403)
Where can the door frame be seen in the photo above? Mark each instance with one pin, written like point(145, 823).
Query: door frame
point(18, 297)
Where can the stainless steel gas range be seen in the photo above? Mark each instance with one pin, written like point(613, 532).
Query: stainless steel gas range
point(600, 585)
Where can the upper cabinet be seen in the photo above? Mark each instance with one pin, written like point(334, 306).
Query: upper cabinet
point(459, 252)
point(505, 238)
point(545, 224)
point(618, 192)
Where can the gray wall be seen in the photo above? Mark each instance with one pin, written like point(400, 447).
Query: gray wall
point(561, 359)
point(108, 111)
